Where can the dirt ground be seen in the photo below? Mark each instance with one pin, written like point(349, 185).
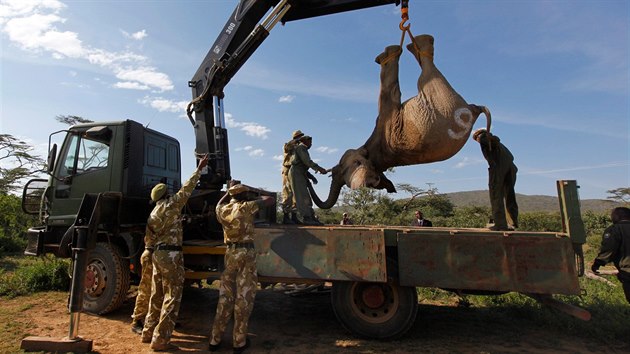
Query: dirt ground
point(306, 324)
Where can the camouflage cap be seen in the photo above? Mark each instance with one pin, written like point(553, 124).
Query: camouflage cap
point(479, 132)
point(297, 134)
point(238, 189)
point(158, 192)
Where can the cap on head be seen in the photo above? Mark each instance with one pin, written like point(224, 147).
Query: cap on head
point(479, 132)
point(306, 138)
point(237, 189)
point(297, 134)
point(158, 192)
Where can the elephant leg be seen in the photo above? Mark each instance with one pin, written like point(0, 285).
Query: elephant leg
point(389, 99)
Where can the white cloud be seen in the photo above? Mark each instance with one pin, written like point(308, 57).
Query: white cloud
point(250, 128)
point(131, 85)
point(278, 157)
point(140, 35)
point(147, 76)
point(33, 26)
point(286, 99)
point(437, 171)
point(163, 104)
point(466, 161)
point(257, 153)
point(326, 149)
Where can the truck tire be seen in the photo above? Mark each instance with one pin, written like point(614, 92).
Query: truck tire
point(382, 311)
point(106, 279)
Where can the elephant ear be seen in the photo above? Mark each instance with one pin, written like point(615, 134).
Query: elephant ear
point(385, 183)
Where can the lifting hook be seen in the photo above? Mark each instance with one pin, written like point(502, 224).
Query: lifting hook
point(404, 14)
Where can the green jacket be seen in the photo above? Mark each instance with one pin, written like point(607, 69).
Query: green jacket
point(616, 249)
point(498, 155)
point(302, 159)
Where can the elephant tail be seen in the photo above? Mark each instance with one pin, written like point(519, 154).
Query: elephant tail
point(486, 111)
point(477, 110)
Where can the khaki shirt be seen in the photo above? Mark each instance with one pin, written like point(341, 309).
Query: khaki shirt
point(237, 219)
point(287, 154)
point(165, 219)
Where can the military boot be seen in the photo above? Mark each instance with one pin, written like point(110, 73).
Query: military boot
point(308, 220)
point(286, 219)
point(295, 219)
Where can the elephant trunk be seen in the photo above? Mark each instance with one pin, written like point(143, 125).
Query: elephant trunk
point(333, 195)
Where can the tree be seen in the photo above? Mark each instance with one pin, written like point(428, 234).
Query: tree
point(432, 203)
point(72, 120)
point(621, 195)
point(18, 162)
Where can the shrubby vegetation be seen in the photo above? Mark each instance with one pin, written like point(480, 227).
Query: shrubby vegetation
point(13, 224)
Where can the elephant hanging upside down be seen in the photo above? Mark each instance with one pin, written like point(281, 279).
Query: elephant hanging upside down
point(432, 126)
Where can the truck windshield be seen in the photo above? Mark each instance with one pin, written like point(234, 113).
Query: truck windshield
point(87, 155)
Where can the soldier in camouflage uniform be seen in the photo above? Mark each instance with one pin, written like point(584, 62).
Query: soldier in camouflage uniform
point(298, 174)
point(239, 279)
point(168, 262)
point(502, 178)
point(141, 308)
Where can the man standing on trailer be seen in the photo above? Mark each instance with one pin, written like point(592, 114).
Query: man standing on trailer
point(501, 180)
point(616, 248)
point(168, 261)
point(298, 174)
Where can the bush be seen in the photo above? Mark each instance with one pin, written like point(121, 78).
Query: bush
point(540, 221)
point(47, 273)
point(13, 224)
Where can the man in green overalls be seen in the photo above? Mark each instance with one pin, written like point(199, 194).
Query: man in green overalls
point(298, 174)
point(239, 279)
point(168, 261)
point(502, 178)
point(288, 203)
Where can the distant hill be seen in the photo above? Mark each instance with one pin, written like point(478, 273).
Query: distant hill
point(527, 203)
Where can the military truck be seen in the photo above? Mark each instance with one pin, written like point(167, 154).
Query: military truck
point(95, 203)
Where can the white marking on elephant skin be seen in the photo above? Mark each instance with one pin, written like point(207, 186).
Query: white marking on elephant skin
point(419, 107)
point(464, 123)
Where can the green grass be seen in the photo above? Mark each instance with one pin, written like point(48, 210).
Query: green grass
point(24, 275)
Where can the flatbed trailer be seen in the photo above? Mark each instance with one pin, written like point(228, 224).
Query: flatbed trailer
point(375, 270)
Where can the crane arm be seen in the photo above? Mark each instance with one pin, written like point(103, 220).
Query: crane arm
point(242, 34)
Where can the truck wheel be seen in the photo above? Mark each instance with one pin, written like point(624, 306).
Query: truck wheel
point(106, 279)
point(375, 310)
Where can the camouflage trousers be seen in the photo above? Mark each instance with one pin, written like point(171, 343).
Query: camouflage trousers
point(166, 295)
point(287, 203)
point(236, 294)
point(144, 288)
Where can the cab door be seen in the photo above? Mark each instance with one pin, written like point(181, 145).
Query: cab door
point(84, 166)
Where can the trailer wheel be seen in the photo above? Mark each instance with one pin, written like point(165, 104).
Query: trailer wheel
point(375, 310)
point(106, 279)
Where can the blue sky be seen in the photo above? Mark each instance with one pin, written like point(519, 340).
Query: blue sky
point(555, 75)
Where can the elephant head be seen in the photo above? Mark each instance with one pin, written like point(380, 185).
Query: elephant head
point(355, 170)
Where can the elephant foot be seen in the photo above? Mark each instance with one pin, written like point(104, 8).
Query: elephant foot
point(391, 52)
point(422, 46)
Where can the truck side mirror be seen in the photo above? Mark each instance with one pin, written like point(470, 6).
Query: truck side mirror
point(52, 154)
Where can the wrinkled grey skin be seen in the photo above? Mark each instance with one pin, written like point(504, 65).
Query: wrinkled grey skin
point(432, 126)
